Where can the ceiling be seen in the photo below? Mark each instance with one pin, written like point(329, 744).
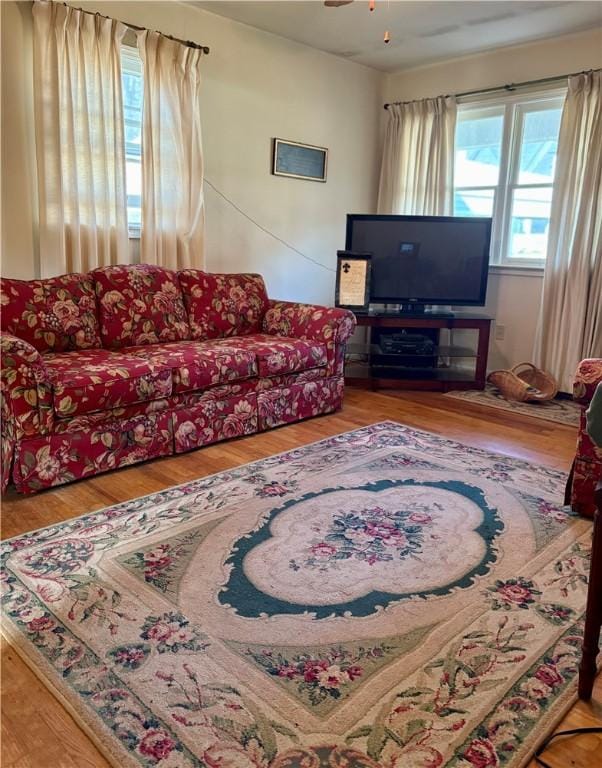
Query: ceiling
point(421, 32)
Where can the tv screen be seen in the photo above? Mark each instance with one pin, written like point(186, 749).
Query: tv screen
point(423, 259)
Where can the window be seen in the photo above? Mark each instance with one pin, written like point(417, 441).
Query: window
point(505, 156)
point(131, 80)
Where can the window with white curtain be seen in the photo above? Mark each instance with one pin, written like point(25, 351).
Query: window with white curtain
point(131, 78)
point(505, 157)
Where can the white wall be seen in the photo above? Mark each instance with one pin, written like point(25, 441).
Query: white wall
point(512, 299)
point(529, 61)
point(256, 86)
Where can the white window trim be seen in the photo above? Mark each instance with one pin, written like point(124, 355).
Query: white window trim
point(510, 105)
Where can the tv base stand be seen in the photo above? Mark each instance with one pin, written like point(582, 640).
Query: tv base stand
point(410, 310)
point(420, 351)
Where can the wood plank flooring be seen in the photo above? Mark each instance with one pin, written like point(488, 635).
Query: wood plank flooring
point(37, 732)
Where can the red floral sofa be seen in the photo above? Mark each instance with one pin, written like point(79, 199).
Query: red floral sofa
point(587, 464)
point(128, 363)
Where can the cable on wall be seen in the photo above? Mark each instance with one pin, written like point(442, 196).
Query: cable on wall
point(264, 229)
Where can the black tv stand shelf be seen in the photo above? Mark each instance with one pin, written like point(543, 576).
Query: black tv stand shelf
point(427, 365)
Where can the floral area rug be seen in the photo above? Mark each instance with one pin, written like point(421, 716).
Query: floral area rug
point(385, 597)
point(561, 410)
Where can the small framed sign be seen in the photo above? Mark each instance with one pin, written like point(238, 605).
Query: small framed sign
point(353, 281)
point(299, 161)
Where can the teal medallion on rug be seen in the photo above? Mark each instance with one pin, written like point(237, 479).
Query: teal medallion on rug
point(361, 549)
point(382, 598)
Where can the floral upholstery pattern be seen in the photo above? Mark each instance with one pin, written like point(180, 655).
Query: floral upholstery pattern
point(332, 327)
point(139, 304)
point(587, 378)
point(587, 465)
point(101, 379)
point(278, 355)
point(104, 419)
point(56, 314)
point(8, 440)
point(43, 462)
point(26, 388)
point(214, 419)
point(198, 365)
point(299, 401)
point(185, 400)
point(104, 370)
point(223, 305)
point(269, 382)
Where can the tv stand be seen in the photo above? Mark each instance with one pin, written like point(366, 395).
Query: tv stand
point(407, 352)
point(412, 309)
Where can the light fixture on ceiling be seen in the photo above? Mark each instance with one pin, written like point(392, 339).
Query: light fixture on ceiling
point(337, 3)
point(371, 7)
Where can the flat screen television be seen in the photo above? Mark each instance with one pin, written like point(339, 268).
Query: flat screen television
point(419, 260)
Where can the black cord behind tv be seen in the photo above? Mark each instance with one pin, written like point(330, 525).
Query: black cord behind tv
point(423, 260)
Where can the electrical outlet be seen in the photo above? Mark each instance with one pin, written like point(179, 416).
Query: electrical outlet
point(500, 332)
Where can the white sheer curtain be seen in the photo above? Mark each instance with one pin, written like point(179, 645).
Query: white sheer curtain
point(570, 321)
point(416, 176)
point(79, 139)
point(173, 221)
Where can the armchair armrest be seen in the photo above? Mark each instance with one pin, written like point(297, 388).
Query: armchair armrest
point(587, 378)
point(25, 389)
point(331, 326)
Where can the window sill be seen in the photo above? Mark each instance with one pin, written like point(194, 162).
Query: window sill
point(503, 269)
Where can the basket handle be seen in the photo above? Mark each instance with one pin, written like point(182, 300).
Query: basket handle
point(521, 365)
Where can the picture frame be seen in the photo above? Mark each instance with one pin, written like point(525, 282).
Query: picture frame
point(352, 289)
point(295, 160)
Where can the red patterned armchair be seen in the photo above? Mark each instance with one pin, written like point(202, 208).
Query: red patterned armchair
point(587, 464)
point(129, 363)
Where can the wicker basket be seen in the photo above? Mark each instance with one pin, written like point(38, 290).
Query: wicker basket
point(527, 385)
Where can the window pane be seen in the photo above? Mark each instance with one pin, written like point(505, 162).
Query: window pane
point(478, 150)
point(132, 91)
point(133, 171)
point(133, 137)
point(473, 202)
point(538, 146)
point(530, 223)
point(131, 78)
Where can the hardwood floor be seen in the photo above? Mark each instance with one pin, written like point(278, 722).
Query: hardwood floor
point(37, 732)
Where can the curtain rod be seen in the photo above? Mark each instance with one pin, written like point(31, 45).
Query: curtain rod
point(507, 87)
point(187, 43)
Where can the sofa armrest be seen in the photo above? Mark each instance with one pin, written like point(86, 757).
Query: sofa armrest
point(332, 327)
point(587, 378)
point(25, 389)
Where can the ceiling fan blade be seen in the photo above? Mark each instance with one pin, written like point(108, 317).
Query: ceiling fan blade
point(336, 3)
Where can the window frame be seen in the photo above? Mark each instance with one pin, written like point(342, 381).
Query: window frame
point(131, 63)
point(513, 107)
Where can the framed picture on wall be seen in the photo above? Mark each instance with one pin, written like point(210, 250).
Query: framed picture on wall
point(299, 161)
point(352, 290)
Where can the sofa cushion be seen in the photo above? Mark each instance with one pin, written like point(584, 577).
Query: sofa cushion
point(198, 365)
point(100, 379)
point(139, 304)
point(223, 305)
point(53, 315)
point(277, 355)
